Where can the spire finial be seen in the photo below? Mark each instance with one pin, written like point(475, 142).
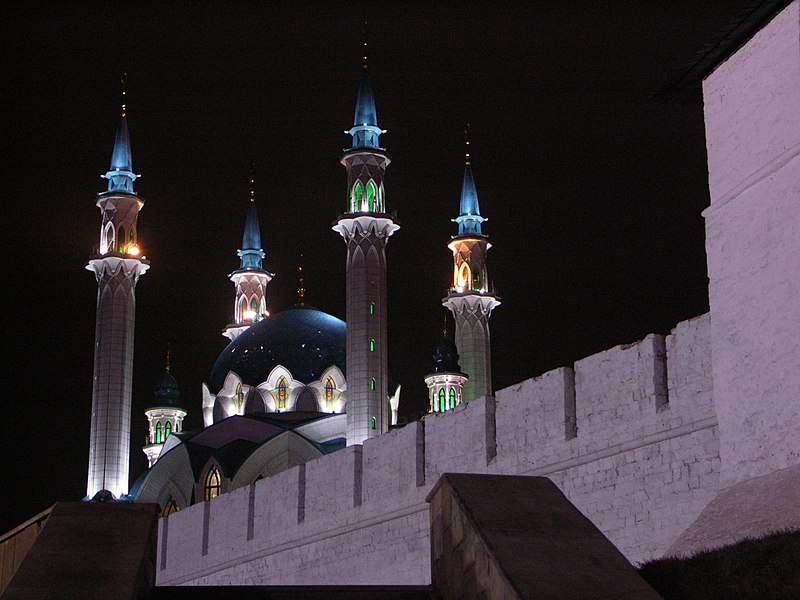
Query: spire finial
point(301, 290)
point(167, 368)
point(364, 56)
point(124, 84)
point(467, 160)
point(252, 182)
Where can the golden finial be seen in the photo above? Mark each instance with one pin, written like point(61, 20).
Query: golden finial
point(124, 83)
point(466, 145)
point(364, 54)
point(252, 182)
point(301, 290)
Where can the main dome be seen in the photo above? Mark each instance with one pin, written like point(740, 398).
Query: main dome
point(304, 340)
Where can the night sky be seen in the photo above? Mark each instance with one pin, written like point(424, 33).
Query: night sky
point(593, 191)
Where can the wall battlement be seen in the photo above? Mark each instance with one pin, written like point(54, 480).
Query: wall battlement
point(629, 434)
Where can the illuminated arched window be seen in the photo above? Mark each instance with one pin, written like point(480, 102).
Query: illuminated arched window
point(373, 422)
point(167, 430)
point(372, 308)
point(371, 196)
point(372, 384)
point(442, 406)
point(282, 391)
point(329, 387)
point(358, 194)
point(464, 277)
point(452, 397)
point(121, 237)
point(372, 345)
point(170, 507)
point(158, 433)
point(213, 486)
point(132, 237)
point(242, 309)
point(262, 309)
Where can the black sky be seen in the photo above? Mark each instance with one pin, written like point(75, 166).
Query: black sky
point(593, 191)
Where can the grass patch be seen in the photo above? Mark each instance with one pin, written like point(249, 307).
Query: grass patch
point(766, 568)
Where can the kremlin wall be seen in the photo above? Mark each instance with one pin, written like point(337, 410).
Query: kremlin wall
point(643, 438)
point(629, 434)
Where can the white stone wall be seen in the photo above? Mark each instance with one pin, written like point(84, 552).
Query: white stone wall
point(636, 451)
point(752, 113)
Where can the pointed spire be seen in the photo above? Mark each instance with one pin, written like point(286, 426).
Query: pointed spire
point(120, 174)
point(251, 252)
point(365, 130)
point(469, 220)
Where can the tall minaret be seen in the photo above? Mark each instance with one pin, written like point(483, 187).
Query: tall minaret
point(366, 227)
point(470, 298)
point(117, 266)
point(250, 278)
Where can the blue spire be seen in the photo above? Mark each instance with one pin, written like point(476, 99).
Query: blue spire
point(120, 174)
point(365, 130)
point(251, 252)
point(470, 219)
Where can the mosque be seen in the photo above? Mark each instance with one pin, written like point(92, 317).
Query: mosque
point(292, 386)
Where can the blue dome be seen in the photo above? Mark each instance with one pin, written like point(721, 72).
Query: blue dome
point(304, 340)
point(166, 392)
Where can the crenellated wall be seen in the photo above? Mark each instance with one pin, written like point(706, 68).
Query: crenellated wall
point(628, 434)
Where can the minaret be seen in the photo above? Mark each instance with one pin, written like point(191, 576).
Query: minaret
point(164, 414)
point(470, 298)
point(446, 382)
point(250, 278)
point(117, 266)
point(366, 227)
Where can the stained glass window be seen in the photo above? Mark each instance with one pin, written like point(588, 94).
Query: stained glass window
point(442, 406)
point(282, 386)
point(452, 398)
point(329, 387)
point(158, 433)
point(170, 507)
point(371, 196)
point(213, 485)
point(167, 430)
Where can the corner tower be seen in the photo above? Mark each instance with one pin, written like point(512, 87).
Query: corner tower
point(164, 415)
point(117, 265)
point(250, 278)
point(366, 227)
point(470, 299)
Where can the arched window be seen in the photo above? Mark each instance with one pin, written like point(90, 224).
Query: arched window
point(464, 277)
point(158, 433)
point(452, 397)
point(170, 507)
point(282, 387)
point(329, 387)
point(372, 384)
point(262, 309)
point(373, 422)
point(372, 345)
point(242, 309)
point(121, 238)
point(132, 237)
point(167, 430)
point(254, 305)
point(372, 308)
point(371, 196)
point(213, 486)
point(442, 406)
point(358, 194)
point(239, 396)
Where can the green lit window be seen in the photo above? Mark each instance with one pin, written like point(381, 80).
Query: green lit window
point(132, 237)
point(158, 433)
point(372, 308)
point(372, 345)
point(167, 430)
point(358, 195)
point(452, 398)
point(170, 507)
point(243, 309)
point(373, 422)
point(254, 305)
point(213, 485)
point(372, 384)
point(371, 196)
point(442, 406)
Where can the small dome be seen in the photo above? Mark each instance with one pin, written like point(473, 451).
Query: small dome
point(303, 340)
point(445, 357)
point(166, 392)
